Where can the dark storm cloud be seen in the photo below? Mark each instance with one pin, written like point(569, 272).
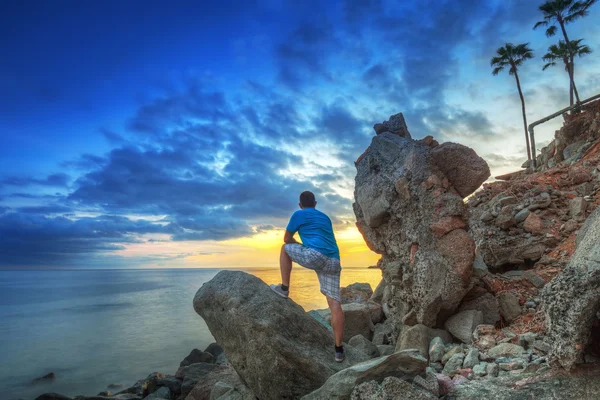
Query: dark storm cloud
point(56, 180)
point(28, 239)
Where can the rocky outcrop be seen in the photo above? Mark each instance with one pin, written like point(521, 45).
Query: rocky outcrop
point(571, 301)
point(571, 142)
point(277, 349)
point(409, 209)
point(583, 385)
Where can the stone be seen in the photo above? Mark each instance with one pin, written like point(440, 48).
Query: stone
point(377, 296)
point(512, 365)
point(231, 386)
point(362, 344)
point(526, 340)
point(386, 349)
point(484, 337)
point(570, 226)
point(459, 249)
point(197, 356)
point(390, 388)
point(384, 333)
point(509, 306)
point(356, 293)
point(160, 393)
point(534, 224)
point(572, 299)
point(396, 124)
point(535, 279)
point(445, 384)
point(577, 207)
point(357, 320)
point(438, 269)
point(404, 365)
point(505, 220)
point(451, 350)
point(376, 312)
point(492, 369)
point(447, 224)
point(522, 215)
point(505, 350)
point(459, 380)
point(583, 385)
point(540, 202)
point(454, 363)
point(480, 269)
point(419, 337)
point(480, 369)
point(320, 319)
point(191, 374)
point(437, 349)
point(487, 304)
point(214, 349)
point(471, 359)
point(428, 383)
point(462, 325)
point(465, 170)
point(243, 314)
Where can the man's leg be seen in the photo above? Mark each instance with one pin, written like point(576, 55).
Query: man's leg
point(337, 320)
point(285, 265)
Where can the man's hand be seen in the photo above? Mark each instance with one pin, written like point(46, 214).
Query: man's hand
point(289, 237)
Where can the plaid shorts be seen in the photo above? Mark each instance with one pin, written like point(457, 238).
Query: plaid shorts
point(327, 268)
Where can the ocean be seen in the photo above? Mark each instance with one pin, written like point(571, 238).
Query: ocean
point(93, 328)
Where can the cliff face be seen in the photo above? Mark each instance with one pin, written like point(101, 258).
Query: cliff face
point(409, 207)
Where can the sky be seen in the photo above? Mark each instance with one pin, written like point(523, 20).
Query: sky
point(141, 134)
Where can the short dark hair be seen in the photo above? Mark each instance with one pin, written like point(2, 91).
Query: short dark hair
point(307, 199)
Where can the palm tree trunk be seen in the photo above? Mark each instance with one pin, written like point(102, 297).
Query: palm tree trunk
point(524, 116)
point(573, 80)
point(571, 59)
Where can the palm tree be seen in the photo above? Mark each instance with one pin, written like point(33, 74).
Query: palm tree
point(563, 12)
point(513, 56)
point(562, 53)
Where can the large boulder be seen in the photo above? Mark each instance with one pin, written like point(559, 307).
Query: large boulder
point(571, 300)
point(409, 211)
point(404, 365)
point(277, 349)
point(465, 170)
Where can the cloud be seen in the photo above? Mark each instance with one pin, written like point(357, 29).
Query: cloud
point(33, 239)
point(55, 180)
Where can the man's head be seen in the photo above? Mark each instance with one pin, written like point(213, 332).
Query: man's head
point(307, 200)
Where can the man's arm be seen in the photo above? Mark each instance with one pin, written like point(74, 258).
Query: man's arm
point(289, 237)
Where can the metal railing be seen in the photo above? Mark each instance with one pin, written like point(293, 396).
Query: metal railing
point(548, 118)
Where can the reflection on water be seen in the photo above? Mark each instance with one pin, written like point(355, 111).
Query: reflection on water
point(304, 285)
point(97, 327)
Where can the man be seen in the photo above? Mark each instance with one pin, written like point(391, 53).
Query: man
point(319, 252)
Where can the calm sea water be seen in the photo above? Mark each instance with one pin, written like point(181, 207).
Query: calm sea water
point(93, 328)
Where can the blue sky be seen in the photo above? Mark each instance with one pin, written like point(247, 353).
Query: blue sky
point(154, 133)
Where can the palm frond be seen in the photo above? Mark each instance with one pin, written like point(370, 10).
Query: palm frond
point(551, 31)
point(497, 70)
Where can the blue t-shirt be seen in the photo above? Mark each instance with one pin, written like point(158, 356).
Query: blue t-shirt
point(315, 230)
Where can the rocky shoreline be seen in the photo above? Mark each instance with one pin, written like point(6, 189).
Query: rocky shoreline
point(486, 295)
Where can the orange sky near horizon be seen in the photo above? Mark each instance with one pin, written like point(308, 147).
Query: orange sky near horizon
point(258, 251)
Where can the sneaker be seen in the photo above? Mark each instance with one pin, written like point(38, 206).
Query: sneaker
point(339, 356)
point(277, 289)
